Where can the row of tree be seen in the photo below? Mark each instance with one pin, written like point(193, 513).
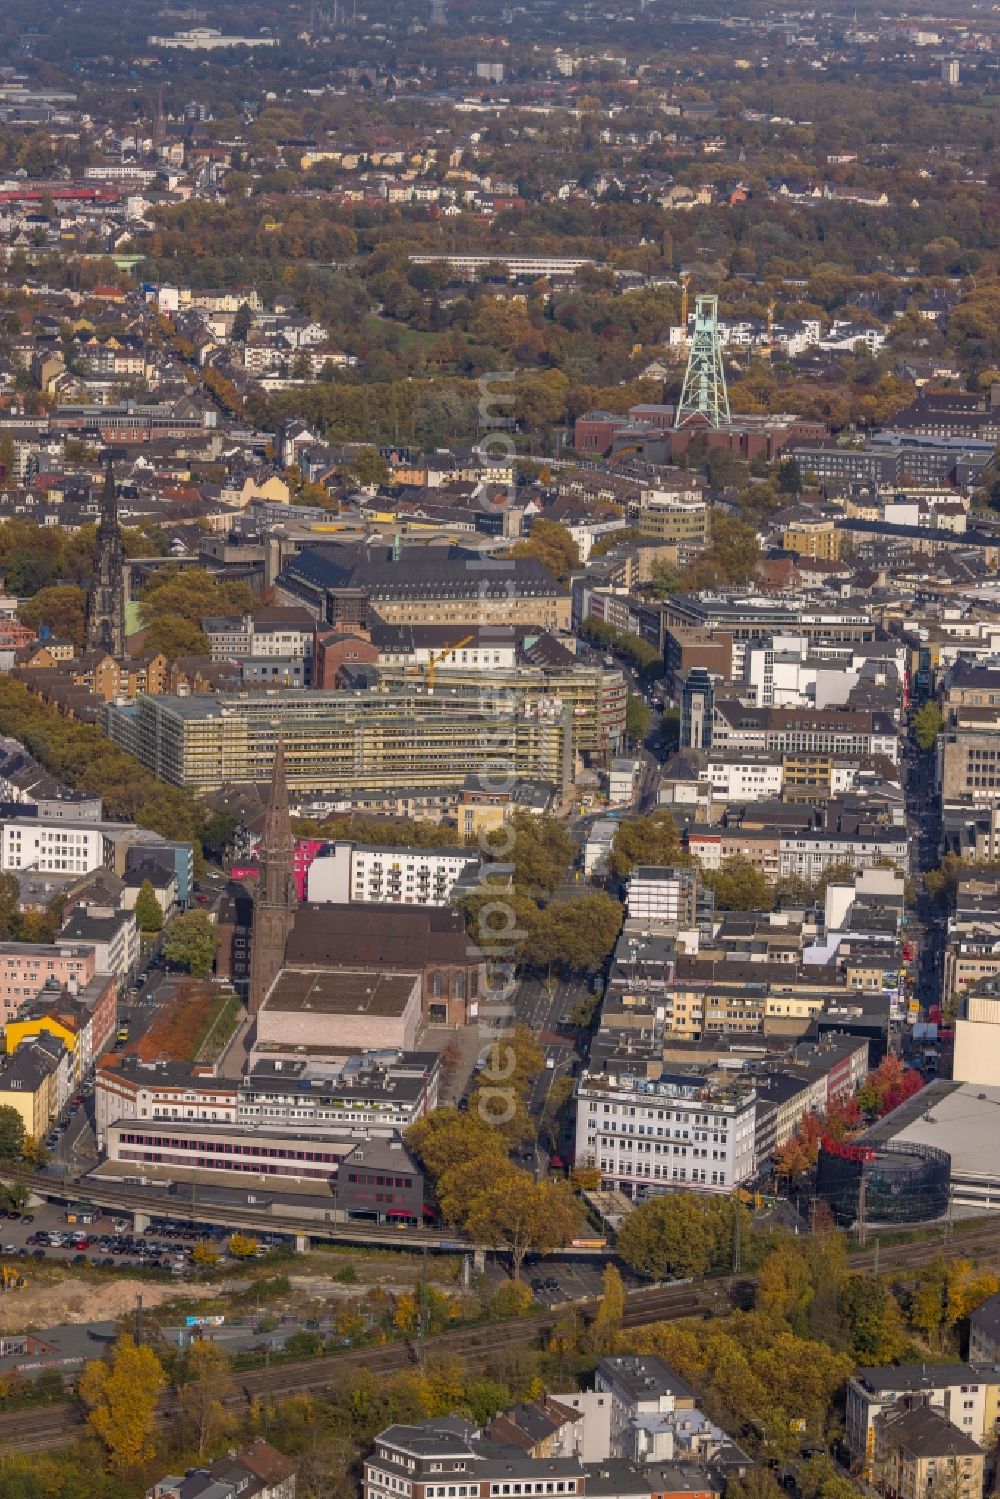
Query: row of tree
point(82, 757)
point(466, 1157)
point(884, 1089)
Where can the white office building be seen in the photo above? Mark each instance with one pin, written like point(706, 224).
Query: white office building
point(679, 1131)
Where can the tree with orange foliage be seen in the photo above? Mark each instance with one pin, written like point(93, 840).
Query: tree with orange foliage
point(891, 1084)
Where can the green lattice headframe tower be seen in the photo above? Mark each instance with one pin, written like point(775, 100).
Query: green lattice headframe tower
point(703, 394)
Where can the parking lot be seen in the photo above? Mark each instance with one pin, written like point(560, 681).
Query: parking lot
point(44, 1233)
point(556, 1284)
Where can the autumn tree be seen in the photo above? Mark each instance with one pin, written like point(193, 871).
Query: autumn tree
point(550, 543)
point(446, 1139)
point(242, 1246)
point(203, 1383)
point(190, 941)
point(784, 1285)
point(174, 637)
point(607, 1324)
point(121, 1395)
point(177, 598)
point(517, 1215)
point(889, 1085)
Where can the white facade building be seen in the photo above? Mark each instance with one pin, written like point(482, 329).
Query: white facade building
point(598, 846)
point(113, 934)
point(51, 848)
point(623, 781)
point(662, 896)
point(744, 777)
point(208, 39)
point(343, 872)
point(808, 854)
point(648, 1135)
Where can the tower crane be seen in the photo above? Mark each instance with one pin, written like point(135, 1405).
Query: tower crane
point(435, 658)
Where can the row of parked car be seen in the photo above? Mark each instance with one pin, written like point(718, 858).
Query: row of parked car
point(131, 1252)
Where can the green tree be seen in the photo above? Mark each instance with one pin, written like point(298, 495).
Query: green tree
point(217, 833)
point(369, 469)
point(578, 935)
point(645, 840)
point(756, 1483)
point(876, 1322)
point(819, 1479)
point(928, 722)
point(789, 476)
point(10, 906)
point(8, 458)
point(498, 914)
point(682, 1234)
point(148, 911)
point(739, 886)
point(190, 940)
point(551, 544)
point(242, 323)
point(637, 718)
point(12, 1134)
point(928, 1300)
point(121, 1395)
point(537, 851)
point(60, 608)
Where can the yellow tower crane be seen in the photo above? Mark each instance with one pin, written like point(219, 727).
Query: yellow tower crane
point(436, 657)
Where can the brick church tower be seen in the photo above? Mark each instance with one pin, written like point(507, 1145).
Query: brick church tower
point(106, 601)
point(274, 902)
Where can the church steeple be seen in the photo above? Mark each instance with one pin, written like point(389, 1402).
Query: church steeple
point(274, 903)
point(106, 601)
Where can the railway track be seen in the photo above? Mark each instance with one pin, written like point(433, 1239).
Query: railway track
point(58, 1425)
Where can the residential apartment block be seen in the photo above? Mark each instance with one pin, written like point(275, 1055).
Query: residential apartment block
point(344, 872)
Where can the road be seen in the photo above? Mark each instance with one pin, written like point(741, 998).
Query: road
point(546, 1010)
point(924, 825)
